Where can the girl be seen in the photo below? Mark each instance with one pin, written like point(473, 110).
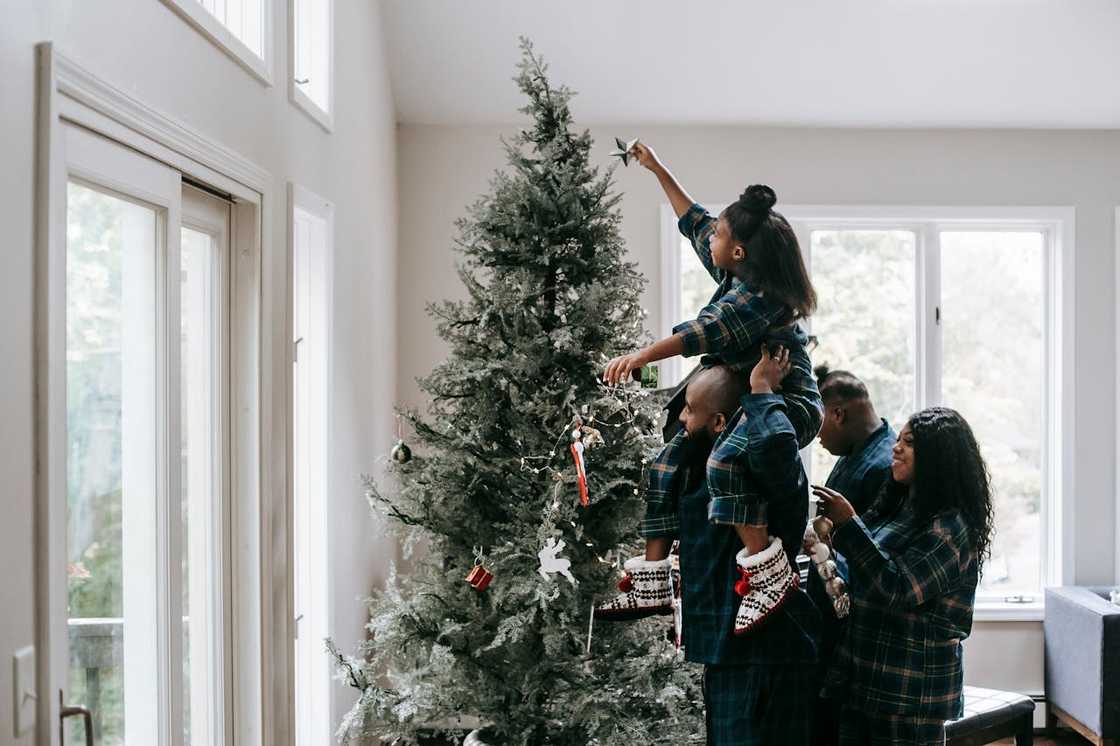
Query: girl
point(913, 560)
point(764, 290)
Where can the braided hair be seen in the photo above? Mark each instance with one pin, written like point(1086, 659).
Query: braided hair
point(773, 265)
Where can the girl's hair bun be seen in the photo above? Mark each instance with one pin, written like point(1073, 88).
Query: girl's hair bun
point(758, 199)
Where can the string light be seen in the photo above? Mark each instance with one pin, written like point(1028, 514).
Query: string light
point(621, 394)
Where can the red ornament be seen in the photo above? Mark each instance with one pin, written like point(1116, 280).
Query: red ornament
point(479, 578)
point(626, 584)
point(581, 472)
point(743, 584)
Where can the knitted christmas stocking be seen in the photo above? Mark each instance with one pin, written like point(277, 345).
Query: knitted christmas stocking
point(765, 581)
point(646, 591)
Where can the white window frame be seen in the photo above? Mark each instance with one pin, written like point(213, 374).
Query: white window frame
point(258, 389)
point(1057, 226)
point(1116, 486)
point(323, 117)
point(316, 626)
point(259, 66)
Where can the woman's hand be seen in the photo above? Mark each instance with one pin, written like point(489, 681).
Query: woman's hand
point(767, 375)
point(646, 156)
point(619, 368)
point(834, 505)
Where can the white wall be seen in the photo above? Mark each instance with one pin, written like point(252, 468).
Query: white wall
point(442, 169)
point(145, 49)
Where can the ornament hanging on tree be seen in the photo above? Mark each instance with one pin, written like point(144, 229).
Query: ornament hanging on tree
point(552, 562)
point(401, 453)
point(583, 437)
point(479, 577)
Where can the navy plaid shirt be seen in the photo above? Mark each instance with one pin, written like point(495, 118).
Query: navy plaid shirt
point(730, 330)
point(859, 477)
point(707, 550)
point(913, 587)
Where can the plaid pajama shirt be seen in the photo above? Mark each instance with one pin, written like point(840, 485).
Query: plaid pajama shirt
point(730, 330)
point(758, 688)
point(859, 477)
point(707, 550)
point(913, 586)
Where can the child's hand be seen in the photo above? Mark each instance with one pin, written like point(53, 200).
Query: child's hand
point(767, 375)
point(646, 156)
point(619, 368)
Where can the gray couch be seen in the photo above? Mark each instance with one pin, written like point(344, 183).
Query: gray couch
point(1082, 633)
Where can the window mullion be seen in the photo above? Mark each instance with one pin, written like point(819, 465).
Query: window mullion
point(928, 304)
point(169, 499)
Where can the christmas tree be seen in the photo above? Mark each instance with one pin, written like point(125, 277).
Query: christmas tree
point(494, 482)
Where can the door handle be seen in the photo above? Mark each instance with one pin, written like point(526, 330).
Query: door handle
point(69, 711)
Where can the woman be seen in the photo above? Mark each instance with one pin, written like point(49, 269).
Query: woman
point(913, 561)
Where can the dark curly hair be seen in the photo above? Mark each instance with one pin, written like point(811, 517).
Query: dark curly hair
point(950, 474)
point(774, 264)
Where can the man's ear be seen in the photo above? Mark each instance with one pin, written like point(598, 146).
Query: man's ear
point(841, 415)
point(719, 422)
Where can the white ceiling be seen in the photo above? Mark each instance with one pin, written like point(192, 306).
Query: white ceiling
point(913, 63)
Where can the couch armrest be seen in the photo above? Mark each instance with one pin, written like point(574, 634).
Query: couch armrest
point(1081, 631)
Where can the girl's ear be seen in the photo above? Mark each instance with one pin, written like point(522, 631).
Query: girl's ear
point(738, 253)
point(719, 422)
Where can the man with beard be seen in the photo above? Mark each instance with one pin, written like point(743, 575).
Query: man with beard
point(758, 687)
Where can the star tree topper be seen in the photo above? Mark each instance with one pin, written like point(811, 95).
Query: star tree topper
point(623, 150)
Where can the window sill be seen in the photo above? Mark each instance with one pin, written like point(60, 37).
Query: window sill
point(999, 611)
point(304, 103)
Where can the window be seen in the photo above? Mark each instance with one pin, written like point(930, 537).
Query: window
point(312, 59)
point(311, 240)
point(240, 28)
point(152, 394)
point(147, 453)
point(965, 308)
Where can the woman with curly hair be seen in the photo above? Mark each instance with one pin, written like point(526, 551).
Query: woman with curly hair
point(914, 561)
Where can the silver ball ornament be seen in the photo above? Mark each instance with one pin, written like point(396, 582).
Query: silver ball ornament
point(401, 453)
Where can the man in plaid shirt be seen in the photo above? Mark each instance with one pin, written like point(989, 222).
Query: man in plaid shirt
point(758, 688)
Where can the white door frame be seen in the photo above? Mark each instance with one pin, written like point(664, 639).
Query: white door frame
point(260, 388)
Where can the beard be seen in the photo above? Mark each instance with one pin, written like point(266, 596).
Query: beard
point(697, 447)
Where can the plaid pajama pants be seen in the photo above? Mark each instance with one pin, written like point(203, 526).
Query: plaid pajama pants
point(861, 729)
point(758, 705)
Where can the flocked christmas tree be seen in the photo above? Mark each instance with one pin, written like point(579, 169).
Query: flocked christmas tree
point(494, 481)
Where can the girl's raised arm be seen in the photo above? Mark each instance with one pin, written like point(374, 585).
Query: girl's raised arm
point(678, 197)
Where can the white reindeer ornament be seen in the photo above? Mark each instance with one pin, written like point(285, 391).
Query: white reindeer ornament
point(552, 563)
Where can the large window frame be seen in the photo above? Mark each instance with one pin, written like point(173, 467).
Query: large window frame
point(259, 628)
point(207, 24)
point(927, 223)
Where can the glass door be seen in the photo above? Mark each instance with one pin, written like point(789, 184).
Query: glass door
point(145, 495)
